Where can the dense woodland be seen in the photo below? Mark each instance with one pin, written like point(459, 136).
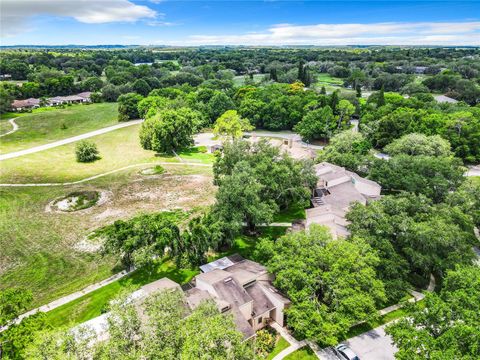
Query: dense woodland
point(422, 227)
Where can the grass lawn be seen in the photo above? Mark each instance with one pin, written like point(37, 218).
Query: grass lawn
point(304, 353)
point(91, 305)
point(118, 148)
point(46, 125)
point(39, 249)
point(240, 79)
point(291, 214)
point(281, 344)
point(5, 126)
point(327, 79)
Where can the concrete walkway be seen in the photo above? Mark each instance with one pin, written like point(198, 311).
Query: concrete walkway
point(87, 135)
point(14, 125)
point(294, 343)
point(105, 174)
point(66, 299)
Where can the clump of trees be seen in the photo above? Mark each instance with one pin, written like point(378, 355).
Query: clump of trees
point(162, 326)
point(231, 125)
point(333, 284)
point(446, 325)
point(169, 130)
point(86, 151)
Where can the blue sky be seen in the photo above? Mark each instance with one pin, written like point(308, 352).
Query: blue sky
point(157, 22)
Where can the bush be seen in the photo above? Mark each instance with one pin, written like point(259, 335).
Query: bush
point(86, 151)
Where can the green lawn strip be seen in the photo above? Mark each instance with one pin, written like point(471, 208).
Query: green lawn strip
point(291, 214)
point(197, 154)
point(280, 345)
point(5, 126)
point(327, 79)
point(93, 304)
point(364, 327)
point(304, 353)
point(240, 79)
point(42, 127)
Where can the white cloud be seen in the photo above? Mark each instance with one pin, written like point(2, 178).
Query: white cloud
point(161, 23)
point(15, 13)
point(396, 33)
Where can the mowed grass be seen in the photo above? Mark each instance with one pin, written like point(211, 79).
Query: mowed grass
point(36, 252)
point(46, 125)
point(240, 79)
point(304, 353)
point(327, 79)
point(118, 149)
point(39, 249)
point(280, 345)
point(93, 304)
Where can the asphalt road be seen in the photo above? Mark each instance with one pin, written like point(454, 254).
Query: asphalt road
point(373, 345)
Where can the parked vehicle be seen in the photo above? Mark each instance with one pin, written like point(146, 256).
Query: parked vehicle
point(345, 353)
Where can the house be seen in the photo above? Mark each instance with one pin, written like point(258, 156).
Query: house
point(85, 96)
point(238, 286)
point(337, 188)
point(99, 325)
point(242, 288)
point(19, 105)
point(54, 101)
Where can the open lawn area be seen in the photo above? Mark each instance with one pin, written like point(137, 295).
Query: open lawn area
point(117, 149)
point(327, 79)
point(47, 253)
point(304, 353)
point(240, 79)
point(45, 125)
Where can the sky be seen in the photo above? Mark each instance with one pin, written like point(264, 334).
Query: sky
point(270, 22)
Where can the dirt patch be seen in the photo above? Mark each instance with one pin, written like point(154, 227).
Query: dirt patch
point(77, 201)
point(88, 245)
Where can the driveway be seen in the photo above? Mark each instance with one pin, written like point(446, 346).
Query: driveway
point(373, 345)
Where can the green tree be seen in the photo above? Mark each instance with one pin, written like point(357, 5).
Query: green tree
point(218, 105)
point(317, 124)
point(446, 325)
point(428, 175)
point(12, 303)
point(128, 106)
point(239, 200)
point(419, 144)
point(347, 149)
point(169, 130)
point(141, 87)
point(231, 125)
point(332, 283)
point(345, 110)
point(86, 151)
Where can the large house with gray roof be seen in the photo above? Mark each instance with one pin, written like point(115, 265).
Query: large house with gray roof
point(337, 188)
point(238, 286)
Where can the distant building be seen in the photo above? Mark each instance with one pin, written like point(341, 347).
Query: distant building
point(19, 105)
point(85, 96)
point(445, 99)
point(336, 190)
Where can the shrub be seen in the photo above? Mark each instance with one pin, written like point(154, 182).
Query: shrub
point(86, 151)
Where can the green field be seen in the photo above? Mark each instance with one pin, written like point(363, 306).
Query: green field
point(240, 79)
point(46, 125)
point(40, 249)
point(327, 79)
point(117, 149)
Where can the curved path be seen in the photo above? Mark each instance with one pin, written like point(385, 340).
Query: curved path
point(14, 125)
point(105, 174)
point(87, 135)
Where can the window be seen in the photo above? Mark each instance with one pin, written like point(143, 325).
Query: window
point(260, 320)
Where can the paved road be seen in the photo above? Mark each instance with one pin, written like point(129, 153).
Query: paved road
point(68, 140)
point(373, 345)
point(473, 171)
point(14, 125)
